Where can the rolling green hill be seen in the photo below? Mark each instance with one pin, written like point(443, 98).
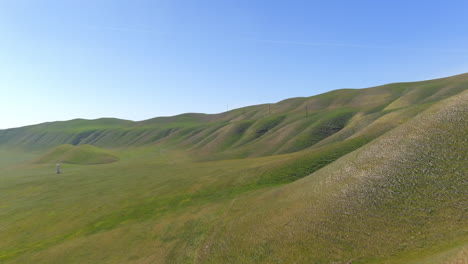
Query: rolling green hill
point(376, 175)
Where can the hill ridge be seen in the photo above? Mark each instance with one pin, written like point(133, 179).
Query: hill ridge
point(251, 131)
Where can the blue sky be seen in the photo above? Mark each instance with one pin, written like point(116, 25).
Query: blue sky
point(137, 59)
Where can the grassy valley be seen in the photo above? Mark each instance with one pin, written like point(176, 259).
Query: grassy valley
point(376, 175)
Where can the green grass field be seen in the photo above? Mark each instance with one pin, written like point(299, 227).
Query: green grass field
point(377, 175)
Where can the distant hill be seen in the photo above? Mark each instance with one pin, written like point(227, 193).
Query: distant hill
point(288, 126)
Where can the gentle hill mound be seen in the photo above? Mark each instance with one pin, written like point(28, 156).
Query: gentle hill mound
point(81, 155)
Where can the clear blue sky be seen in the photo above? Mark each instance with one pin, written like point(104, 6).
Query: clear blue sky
point(137, 59)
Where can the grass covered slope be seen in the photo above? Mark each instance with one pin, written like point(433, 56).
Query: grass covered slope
point(377, 175)
point(81, 155)
point(399, 199)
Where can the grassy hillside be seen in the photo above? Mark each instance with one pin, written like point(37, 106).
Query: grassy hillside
point(399, 199)
point(376, 175)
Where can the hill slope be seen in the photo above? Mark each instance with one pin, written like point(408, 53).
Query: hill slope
point(400, 199)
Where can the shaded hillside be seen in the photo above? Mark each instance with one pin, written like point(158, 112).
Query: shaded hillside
point(288, 126)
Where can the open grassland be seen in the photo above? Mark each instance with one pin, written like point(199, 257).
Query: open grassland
point(88, 201)
point(377, 175)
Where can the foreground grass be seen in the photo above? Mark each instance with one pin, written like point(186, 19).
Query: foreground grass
point(88, 200)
